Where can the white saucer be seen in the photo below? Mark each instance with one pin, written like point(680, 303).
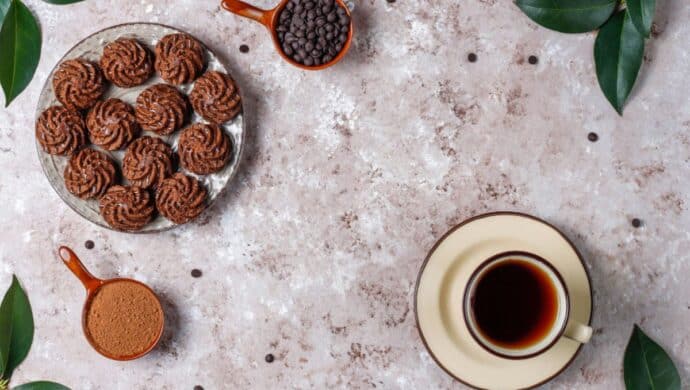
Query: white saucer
point(441, 284)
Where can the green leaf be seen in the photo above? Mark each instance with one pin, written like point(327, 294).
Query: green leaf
point(5, 332)
point(642, 14)
point(646, 366)
point(42, 385)
point(62, 2)
point(568, 16)
point(20, 45)
point(618, 52)
point(15, 313)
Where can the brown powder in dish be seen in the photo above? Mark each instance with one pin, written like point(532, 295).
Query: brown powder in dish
point(123, 319)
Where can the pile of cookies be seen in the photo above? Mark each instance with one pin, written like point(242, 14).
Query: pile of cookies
point(86, 127)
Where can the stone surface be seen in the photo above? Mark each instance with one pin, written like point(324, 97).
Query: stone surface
point(351, 175)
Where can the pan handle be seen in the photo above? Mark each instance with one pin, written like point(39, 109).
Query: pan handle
point(90, 282)
point(249, 11)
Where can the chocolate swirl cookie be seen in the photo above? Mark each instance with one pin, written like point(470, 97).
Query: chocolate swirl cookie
point(60, 131)
point(181, 198)
point(161, 109)
point(215, 97)
point(127, 208)
point(112, 124)
point(204, 148)
point(179, 58)
point(126, 63)
point(89, 174)
point(78, 84)
point(147, 162)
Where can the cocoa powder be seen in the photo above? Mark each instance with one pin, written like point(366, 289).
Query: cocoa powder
point(123, 319)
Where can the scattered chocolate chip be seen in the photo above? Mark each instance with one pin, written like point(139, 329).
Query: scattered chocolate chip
point(594, 137)
point(197, 387)
point(636, 222)
point(196, 273)
point(244, 49)
point(391, 1)
point(270, 358)
point(472, 57)
point(89, 244)
point(533, 60)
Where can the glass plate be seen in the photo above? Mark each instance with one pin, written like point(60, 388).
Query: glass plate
point(91, 48)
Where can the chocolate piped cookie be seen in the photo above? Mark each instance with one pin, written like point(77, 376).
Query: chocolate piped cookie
point(215, 97)
point(179, 58)
point(204, 148)
point(181, 198)
point(127, 63)
point(161, 109)
point(147, 162)
point(78, 84)
point(89, 174)
point(61, 131)
point(127, 208)
point(112, 124)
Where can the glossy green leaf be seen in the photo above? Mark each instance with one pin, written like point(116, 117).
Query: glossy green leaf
point(41, 385)
point(62, 2)
point(568, 16)
point(16, 317)
point(642, 14)
point(646, 366)
point(618, 52)
point(20, 45)
point(5, 334)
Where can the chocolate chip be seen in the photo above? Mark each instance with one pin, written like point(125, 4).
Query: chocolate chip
point(244, 49)
point(197, 387)
point(472, 57)
point(533, 60)
point(89, 244)
point(391, 1)
point(593, 137)
point(636, 222)
point(196, 273)
point(270, 358)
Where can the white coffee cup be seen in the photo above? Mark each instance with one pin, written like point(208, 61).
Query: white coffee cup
point(562, 325)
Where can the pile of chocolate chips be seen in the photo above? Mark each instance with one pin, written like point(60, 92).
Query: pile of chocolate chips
point(313, 32)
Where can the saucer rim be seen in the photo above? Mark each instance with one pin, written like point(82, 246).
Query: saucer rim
point(470, 220)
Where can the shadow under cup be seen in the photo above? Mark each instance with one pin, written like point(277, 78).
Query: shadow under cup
point(516, 305)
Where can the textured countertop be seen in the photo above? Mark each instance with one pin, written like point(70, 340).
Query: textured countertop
point(351, 175)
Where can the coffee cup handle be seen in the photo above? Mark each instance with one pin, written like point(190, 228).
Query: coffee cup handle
point(578, 332)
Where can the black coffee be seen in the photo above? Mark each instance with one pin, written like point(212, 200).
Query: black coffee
point(313, 32)
point(515, 304)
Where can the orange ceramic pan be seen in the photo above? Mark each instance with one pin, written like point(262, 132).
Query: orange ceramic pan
point(92, 284)
point(269, 18)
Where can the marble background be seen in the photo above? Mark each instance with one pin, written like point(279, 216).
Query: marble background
point(350, 177)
